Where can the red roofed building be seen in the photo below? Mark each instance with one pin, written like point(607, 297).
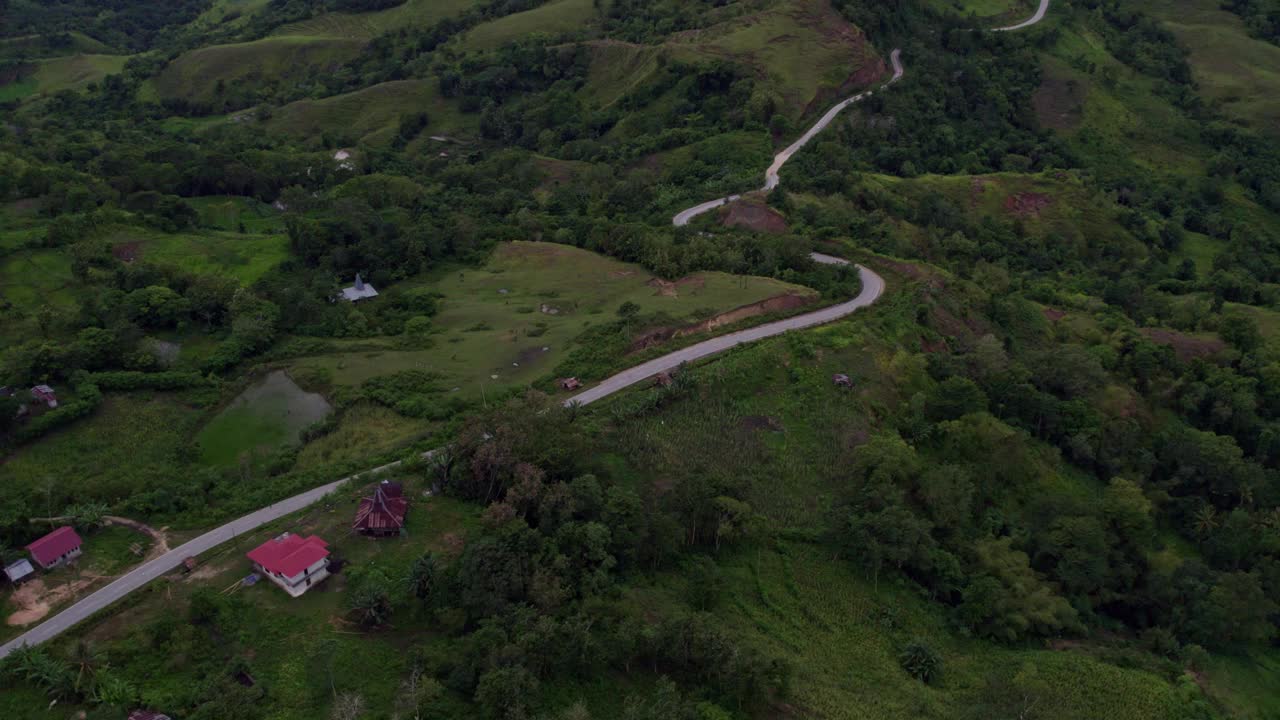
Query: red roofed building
point(292, 561)
point(55, 548)
point(382, 513)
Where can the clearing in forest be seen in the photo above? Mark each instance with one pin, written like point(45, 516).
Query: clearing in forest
point(270, 414)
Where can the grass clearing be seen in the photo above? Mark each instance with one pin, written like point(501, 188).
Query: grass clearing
point(229, 212)
point(245, 257)
point(268, 415)
point(364, 430)
point(126, 447)
point(517, 317)
point(986, 9)
point(75, 72)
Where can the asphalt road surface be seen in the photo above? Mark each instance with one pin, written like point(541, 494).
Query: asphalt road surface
point(1040, 11)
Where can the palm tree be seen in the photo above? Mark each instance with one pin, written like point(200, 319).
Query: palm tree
point(88, 660)
point(1205, 521)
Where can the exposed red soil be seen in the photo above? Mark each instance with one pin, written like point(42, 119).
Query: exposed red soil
point(753, 215)
point(1053, 314)
point(909, 271)
point(127, 252)
point(668, 288)
point(777, 303)
point(1185, 347)
point(977, 186)
point(1027, 204)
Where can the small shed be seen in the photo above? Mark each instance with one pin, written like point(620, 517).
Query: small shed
point(569, 383)
point(361, 290)
point(44, 394)
point(19, 571)
point(56, 548)
point(841, 380)
point(382, 513)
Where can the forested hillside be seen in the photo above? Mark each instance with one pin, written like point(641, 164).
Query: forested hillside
point(1037, 478)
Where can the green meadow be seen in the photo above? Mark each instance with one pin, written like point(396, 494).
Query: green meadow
point(511, 321)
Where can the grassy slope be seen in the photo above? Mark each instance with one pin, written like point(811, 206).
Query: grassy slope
point(370, 110)
point(484, 332)
point(363, 26)
point(841, 632)
point(194, 75)
point(554, 17)
point(1239, 72)
point(72, 72)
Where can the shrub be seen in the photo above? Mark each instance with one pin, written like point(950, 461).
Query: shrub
point(921, 661)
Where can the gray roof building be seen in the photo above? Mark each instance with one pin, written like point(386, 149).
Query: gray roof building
point(360, 291)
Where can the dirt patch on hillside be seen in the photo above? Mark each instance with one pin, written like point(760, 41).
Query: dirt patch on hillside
point(1185, 347)
point(1059, 103)
point(127, 252)
point(34, 600)
point(1027, 204)
point(1053, 314)
point(753, 215)
point(777, 303)
point(688, 283)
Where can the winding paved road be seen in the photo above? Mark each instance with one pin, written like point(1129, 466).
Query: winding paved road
point(1040, 11)
point(872, 287)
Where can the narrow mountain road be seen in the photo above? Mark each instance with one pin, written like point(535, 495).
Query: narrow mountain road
point(1040, 11)
point(771, 178)
point(872, 287)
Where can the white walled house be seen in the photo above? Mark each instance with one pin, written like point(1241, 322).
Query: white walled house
point(292, 562)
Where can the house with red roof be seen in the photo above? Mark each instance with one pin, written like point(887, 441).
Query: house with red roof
point(55, 548)
point(293, 562)
point(382, 513)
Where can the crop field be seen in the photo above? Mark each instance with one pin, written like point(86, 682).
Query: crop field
point(196, 75)
point(245, 257)
point(512, 321)
point(380, 107)
point(268, 415)
point(552, 18)
point(1239, 72)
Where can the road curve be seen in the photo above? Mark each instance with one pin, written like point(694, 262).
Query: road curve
point(1040, 11)
point(771, 178)
point(872, 287)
